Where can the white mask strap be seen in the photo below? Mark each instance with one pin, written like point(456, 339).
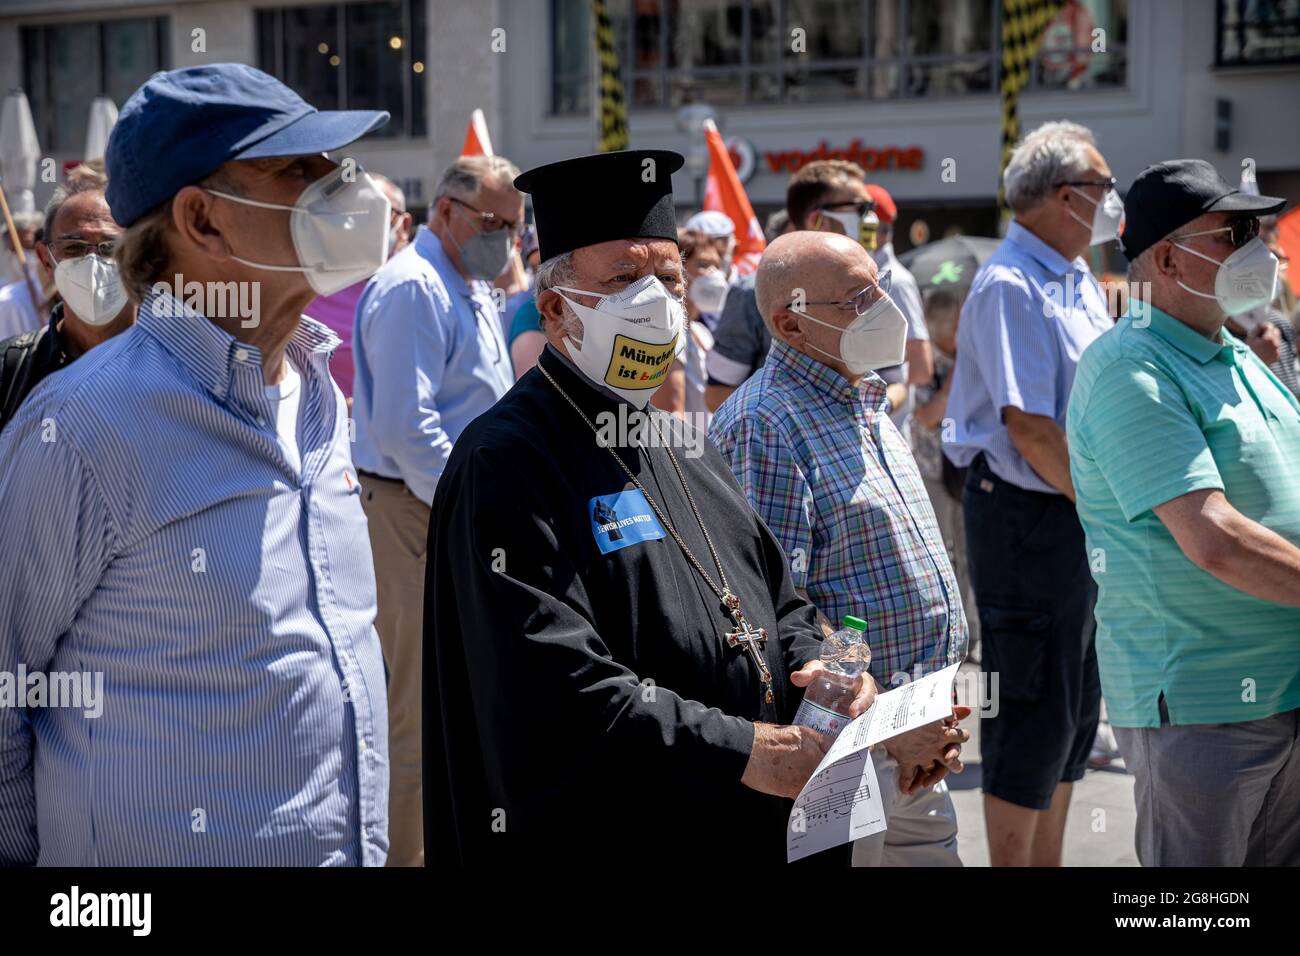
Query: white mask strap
point(252, 202)
point(1217, 262)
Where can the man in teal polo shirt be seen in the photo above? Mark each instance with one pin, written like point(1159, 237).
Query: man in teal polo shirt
point(1184, 450)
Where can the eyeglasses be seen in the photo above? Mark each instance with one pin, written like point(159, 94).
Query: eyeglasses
point(1108, 183)
point(76, 248)
point(862, 208)
point(1240, 232)
point(490, 221)
point(864, 300)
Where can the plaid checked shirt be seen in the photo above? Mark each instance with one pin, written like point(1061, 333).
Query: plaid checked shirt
point(824, 466)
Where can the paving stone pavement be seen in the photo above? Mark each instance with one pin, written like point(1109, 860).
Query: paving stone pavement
point(1098, 831)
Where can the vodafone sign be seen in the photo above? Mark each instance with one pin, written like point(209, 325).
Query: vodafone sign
point(869, 158)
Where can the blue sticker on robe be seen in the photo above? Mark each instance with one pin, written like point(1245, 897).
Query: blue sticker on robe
point(623, 519)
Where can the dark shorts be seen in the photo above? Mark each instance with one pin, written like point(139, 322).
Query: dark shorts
point(1029, 568)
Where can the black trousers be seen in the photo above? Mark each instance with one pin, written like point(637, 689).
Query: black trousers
point(1030, 571)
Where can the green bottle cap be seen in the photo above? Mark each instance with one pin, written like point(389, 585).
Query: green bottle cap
point(856, 623)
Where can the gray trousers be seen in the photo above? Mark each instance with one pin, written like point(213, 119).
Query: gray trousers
point(1217, 794)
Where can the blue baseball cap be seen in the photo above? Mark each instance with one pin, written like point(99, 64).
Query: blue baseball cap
point(182, 124)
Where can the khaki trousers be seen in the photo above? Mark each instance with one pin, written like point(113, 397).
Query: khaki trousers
point(399, 531)
point(922, 827)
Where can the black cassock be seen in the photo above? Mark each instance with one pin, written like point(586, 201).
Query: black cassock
point(580, 700)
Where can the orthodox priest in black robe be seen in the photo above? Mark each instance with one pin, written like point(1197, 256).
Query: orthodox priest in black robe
point(588, 559)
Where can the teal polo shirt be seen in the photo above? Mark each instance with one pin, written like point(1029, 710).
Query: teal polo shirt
point(1157, 411)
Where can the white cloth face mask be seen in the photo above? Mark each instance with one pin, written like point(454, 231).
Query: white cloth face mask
point(708, 290)
point(1107, 216)
point(629, 338)
point(875, 339)
point(1245, 280)
point(339, 229)
point(91, 287)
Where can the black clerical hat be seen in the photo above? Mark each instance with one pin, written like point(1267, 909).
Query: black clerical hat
point(626, 194)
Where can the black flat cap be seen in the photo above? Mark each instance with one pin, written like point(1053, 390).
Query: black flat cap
point(627, 194)
point(1173, 193)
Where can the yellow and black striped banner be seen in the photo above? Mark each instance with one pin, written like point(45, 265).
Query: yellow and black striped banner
point(1023, 24)
point(611, 108)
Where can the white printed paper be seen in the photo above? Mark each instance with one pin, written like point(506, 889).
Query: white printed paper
point(841, 800)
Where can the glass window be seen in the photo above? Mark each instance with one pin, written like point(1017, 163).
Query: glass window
point(67, 65)
point(1084, 46)
point(743, 51)
point(351, 56)
point(718, 89)
point(132, 54)
point(705, 33)
point(764, 32)
point(1258, 32)
point(571, 56)
point(313, 55)
point(936, 27)
point(647, 28)
point(833, 28)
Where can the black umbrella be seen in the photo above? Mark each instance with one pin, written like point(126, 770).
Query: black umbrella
point(950, 263)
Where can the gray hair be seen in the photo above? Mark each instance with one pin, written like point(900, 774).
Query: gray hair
point(75, 186)
point(557, 270)
point(464, 178)
point(1051, 153)
point(143, 252)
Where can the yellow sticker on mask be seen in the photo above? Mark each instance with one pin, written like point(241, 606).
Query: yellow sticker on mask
point(636, 364)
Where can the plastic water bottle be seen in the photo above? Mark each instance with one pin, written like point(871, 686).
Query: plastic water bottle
point(826, 701)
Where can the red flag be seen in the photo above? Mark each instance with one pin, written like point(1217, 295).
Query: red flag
point(725, 193)
point(1288, 234)
point(477, 140)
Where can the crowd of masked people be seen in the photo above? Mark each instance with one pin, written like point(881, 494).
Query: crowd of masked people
point(999, 466)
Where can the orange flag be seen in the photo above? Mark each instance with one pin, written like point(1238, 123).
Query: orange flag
point(724, 193)
point(477, 140)
point(1288, 234)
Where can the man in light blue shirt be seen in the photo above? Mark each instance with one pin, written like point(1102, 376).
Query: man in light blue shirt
point(182, 524)
point(430, 358)
point(1032, 310)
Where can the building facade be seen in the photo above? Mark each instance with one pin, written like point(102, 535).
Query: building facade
point(906, 88)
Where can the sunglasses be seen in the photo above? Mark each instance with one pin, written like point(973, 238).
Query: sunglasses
point(861, 208)
point(1108, 183)
point(1240, 232)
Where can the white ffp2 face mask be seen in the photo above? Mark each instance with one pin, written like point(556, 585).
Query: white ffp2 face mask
point(1245, 280)
point(339, 229)
point(91, 287)
point(629, 338)
point(1107, 216)
point(708, 290)
point(875, 339)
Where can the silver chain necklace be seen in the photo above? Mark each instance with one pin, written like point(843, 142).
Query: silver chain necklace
point(745, 634)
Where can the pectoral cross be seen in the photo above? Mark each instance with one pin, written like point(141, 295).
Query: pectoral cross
point(752, 638)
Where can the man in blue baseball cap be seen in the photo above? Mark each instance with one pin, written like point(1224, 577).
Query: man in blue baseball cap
point(196, 547)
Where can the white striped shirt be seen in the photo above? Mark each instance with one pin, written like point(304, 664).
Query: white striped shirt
point(155, 533)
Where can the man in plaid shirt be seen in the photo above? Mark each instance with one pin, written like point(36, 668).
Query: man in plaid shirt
point(810, 441)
